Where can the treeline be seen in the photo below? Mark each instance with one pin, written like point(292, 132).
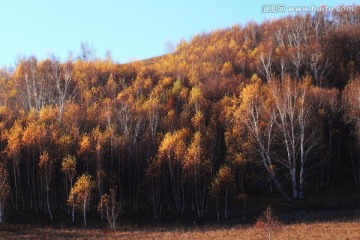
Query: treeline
point(270, 106)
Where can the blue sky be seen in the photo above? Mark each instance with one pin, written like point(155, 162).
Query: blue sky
point(136, 29)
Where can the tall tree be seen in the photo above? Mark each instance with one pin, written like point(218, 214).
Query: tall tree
point(222, 185)
point(68, 167)
point(254, 113)
point(13, 150)
point(294, 116)
point(197, 167)
point(80, 194)
point(171, 153)
point(351, 102)
point(46, 165)
point(112, 207)
point(4, 190)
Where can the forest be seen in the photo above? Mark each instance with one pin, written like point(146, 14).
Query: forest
point(271, 107)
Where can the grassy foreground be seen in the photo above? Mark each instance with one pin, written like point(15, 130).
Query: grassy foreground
point(317, 230)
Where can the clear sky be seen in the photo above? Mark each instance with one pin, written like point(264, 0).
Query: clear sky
point(129, 29)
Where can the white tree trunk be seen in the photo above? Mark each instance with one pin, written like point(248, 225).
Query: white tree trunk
point(84, 212)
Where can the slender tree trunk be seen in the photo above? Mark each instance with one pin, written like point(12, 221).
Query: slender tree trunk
point(84, 212)
point(353, 164)
point(1, 212)
point(301, 182)
point(203, 198)
point(48, 203)
point(279, 187)
point(28, 182)
point(302, 162)
point(66, 194)
point(330, 151)
point(16, 187)
point(338, 157)
point(197, 194)
point(47, 195)
point(226, 205)
point(153, 197)
point(217, 210)
point(294, 183)
point(73, 206)
point(244, 206)
point(34, 183)
point(73, 213)
point(21, 193)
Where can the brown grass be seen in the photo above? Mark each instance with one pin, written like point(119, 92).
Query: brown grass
point(318, 231)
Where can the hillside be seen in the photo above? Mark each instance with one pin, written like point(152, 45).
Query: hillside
point(234, 116)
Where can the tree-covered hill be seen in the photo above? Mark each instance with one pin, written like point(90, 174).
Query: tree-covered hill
point(263, 107)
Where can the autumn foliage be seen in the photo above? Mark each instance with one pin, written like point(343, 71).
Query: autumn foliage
point(268, 107)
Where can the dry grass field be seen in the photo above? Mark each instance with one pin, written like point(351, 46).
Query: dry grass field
point(317, 230)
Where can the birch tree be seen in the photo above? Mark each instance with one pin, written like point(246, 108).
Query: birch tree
point(254, 114)
point(221, 187)
point(112, 207)
point(61, 76)
point(80, 194)
point(171, 153)
point(68, 167)
point(197, 168)
point(293, 117)
point(351, 102)
point(4, 189)
point(46, 165)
